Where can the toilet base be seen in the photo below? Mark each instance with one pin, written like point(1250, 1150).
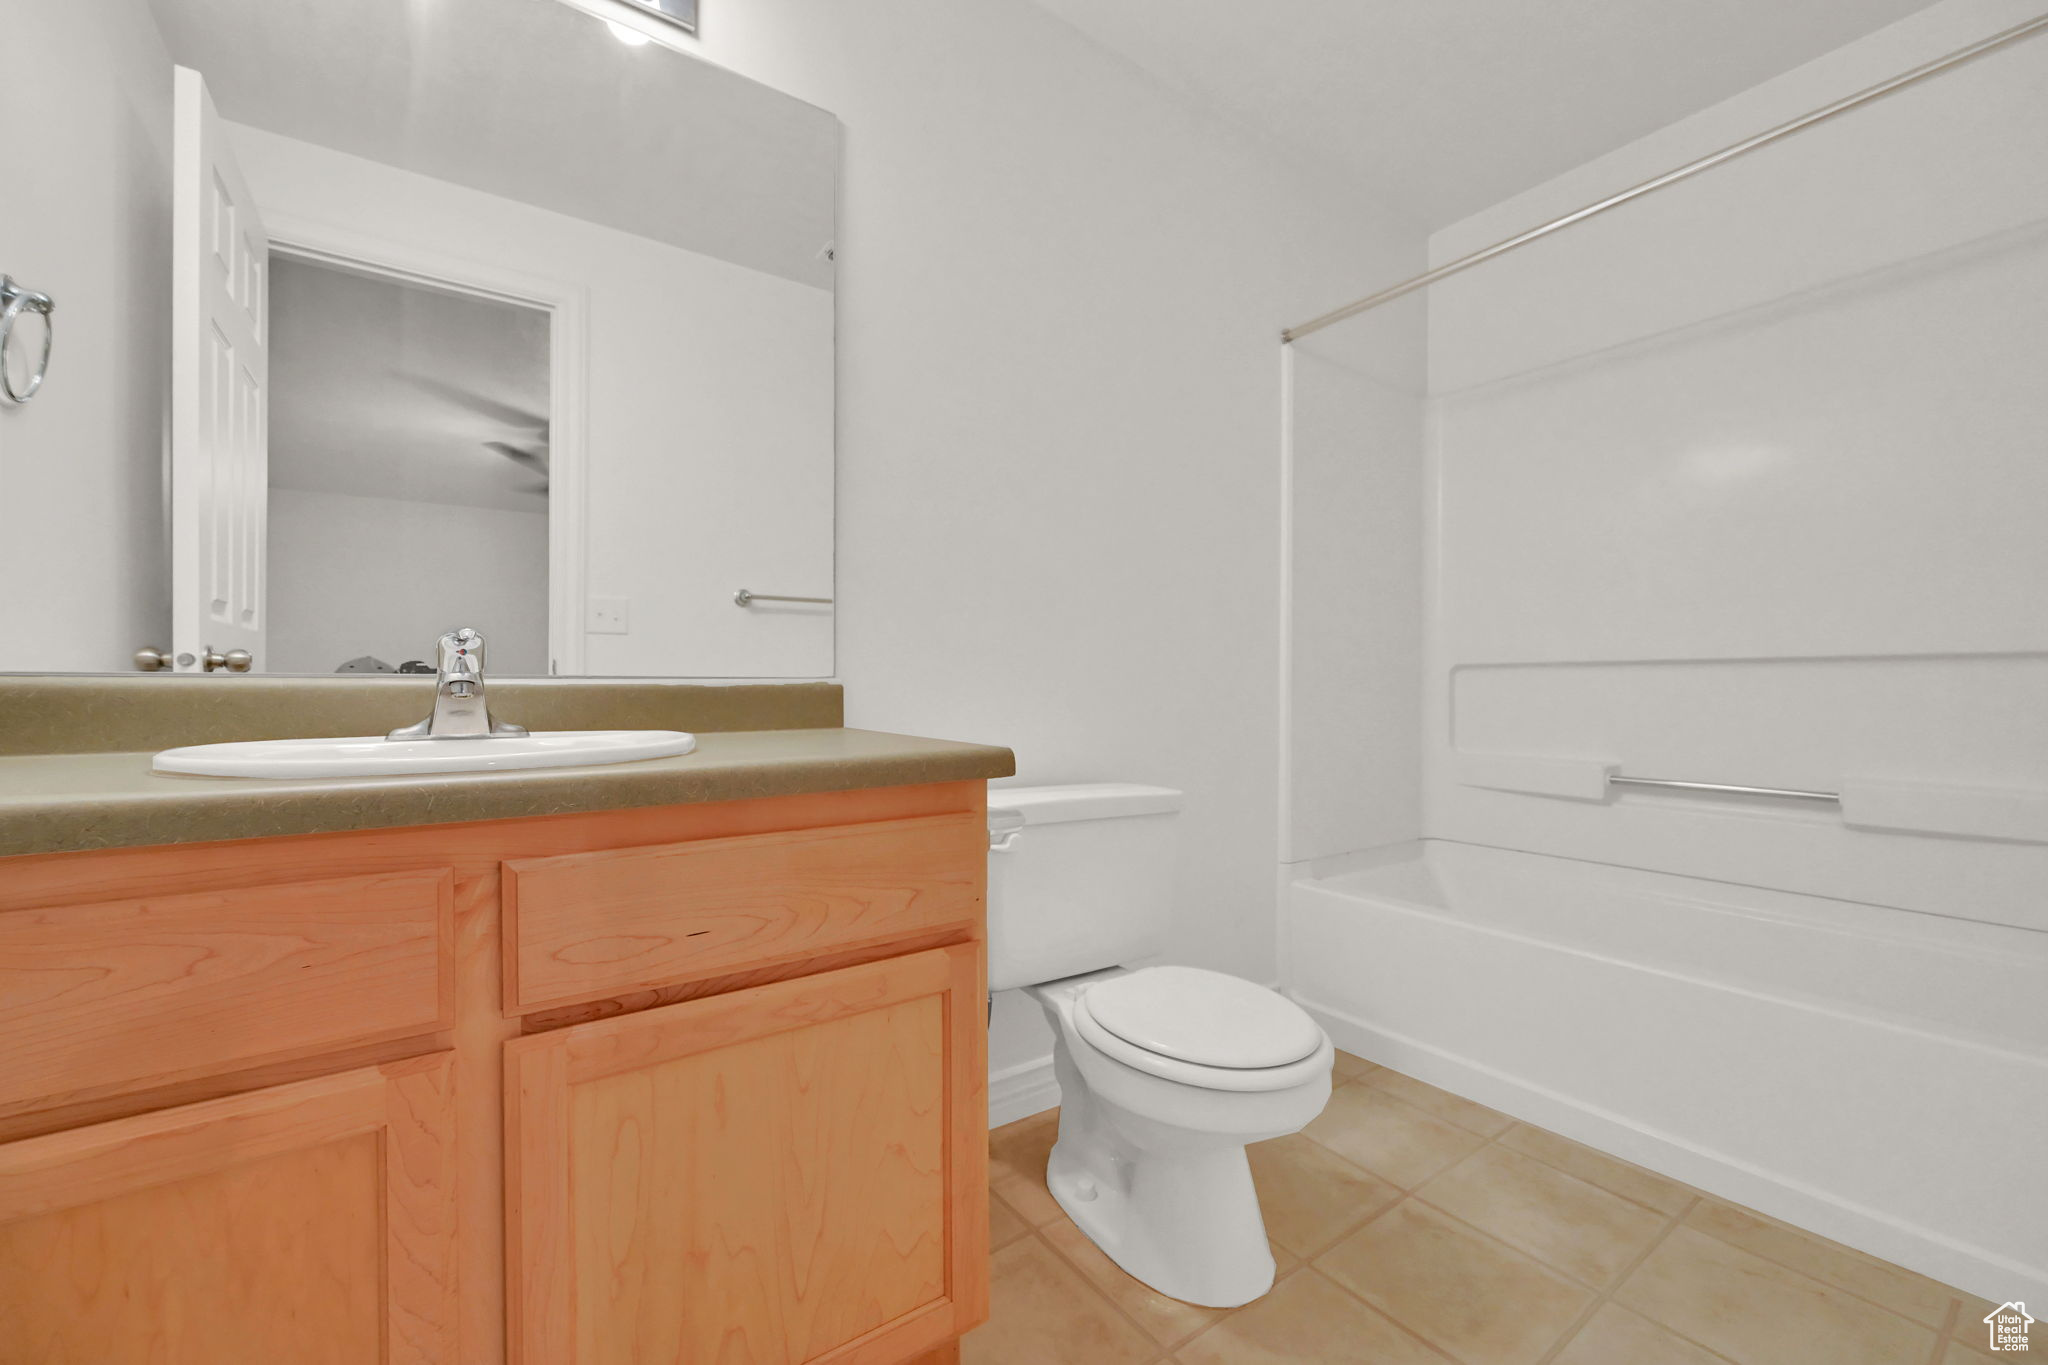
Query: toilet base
point(1182, 1217)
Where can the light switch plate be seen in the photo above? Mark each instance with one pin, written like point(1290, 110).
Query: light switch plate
point(606, 616)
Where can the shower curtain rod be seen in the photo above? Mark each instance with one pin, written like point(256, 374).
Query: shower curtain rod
point(1688, 170)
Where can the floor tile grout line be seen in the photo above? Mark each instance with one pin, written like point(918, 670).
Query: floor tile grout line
point(1698, 1195)
point(1694, 1341)
point(1382, 1177)
point(1375, 1309)
point(1855, 1252)
point(1308, 1258)
point(1424, 1109)
point(1485, 1141)
point(1599, 1297)
point(1808, 1274)
point(1158, 1352)
point(1500, 1139)
point(1544, 1265)
point(1165, 1348)
point(1432, 1114)
point(1501, 1142)
point(1304, 1263)
point(1527, 1254)
point(1469, 1156)
point(1603, 1297)
point(1672, 1222)
point(1415, 1192)
point(1947, 1330)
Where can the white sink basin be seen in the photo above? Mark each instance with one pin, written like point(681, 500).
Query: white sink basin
point(375, 756)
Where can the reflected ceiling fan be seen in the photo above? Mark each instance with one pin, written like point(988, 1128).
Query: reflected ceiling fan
point(534, 458)
point(530, 454)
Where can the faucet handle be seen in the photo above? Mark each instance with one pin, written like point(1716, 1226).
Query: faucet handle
point(460, 656)
point(460, 710)
point(461, 651)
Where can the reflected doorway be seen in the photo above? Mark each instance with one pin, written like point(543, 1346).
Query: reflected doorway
point(409, 471)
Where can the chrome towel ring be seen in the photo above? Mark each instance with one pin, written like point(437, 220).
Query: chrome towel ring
point(14, 301)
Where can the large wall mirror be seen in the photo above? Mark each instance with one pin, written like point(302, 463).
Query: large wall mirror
point(379, 318)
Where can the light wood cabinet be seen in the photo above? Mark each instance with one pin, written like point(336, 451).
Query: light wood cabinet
point(312, 1223)
point(792, 1173)
point(690, 1083)
point(108, 996)
point(583, 926)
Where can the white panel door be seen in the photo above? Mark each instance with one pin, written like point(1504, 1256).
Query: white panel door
point(220, 370)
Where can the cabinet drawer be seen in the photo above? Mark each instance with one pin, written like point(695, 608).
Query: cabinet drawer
point(584, 926)
point(117, 996)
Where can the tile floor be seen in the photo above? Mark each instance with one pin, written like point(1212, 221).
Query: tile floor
point(1414, 1227)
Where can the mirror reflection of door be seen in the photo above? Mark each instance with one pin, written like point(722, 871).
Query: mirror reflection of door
point(219, 382)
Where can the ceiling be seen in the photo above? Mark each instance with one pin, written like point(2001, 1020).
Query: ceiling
point(1449, 106)
point(388, 390)
point(534, 101)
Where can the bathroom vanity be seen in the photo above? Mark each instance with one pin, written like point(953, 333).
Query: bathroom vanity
point(675, 1060)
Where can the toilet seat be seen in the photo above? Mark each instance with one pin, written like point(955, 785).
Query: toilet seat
point(1202, 1028)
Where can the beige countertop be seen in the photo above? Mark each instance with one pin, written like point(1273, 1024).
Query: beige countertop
point(62, 802)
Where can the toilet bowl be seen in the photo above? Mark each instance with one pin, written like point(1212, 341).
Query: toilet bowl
point(1165, 1075)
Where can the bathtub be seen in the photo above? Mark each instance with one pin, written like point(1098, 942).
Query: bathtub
point(1722, 1034)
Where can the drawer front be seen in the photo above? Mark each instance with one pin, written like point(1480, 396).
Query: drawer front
point(584, 926)
point(118, 996)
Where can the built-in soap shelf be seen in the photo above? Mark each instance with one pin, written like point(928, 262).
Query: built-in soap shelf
point(1918, 807)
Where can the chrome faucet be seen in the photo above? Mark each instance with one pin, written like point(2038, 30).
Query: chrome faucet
point(460, 709)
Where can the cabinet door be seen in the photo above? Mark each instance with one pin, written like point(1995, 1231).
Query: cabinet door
point(792, 1173)
point(311, 1223)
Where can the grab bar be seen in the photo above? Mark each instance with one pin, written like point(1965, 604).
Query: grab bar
point(745, 598)
point(1726, 789)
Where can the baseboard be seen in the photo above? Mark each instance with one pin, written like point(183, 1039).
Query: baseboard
point(1869, 1230)
point(1018, 1092)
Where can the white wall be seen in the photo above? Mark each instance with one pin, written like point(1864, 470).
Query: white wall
point(87, 102)
point(1743, 483)
point(708, 409)
point(1059, 491)
point(352, 575)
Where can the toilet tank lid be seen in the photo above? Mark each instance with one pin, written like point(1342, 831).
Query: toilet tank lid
point(1082, 801)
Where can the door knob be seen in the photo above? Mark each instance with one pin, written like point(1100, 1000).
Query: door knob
point(234, 661)
point(149, 658)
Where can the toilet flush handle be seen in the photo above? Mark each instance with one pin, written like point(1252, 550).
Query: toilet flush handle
point(1003, 828)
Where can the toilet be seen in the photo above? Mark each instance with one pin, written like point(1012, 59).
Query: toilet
point(1165, 1073)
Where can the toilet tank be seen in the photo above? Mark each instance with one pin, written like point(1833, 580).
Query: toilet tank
point(1079, 878)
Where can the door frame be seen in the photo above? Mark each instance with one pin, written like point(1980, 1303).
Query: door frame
point(567, 306)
